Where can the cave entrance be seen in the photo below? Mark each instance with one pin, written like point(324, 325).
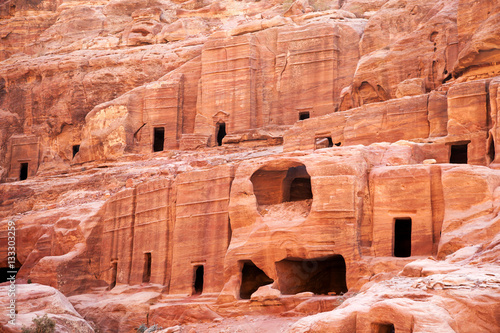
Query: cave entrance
point(323, 142)
point(276, 186)
point(383, 328)
point(402, 237)
point(300, 189)
point(199, 272)
point(159, 139)
point(114, 271)
point(252, 277)
point(23, 171)
point(220, 132)
point(146, 274)
point(76, 149)
point(458, 153)
point(321, 276)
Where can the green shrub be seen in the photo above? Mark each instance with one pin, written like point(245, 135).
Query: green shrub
point(143, 328)
point(41, 325)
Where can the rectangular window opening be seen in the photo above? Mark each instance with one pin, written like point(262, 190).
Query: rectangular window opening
point(458, 153)
point(146, 275)
point(159, 139)
point(23, 172)
point(402, 237)
point(383, 328)
point(304, 115)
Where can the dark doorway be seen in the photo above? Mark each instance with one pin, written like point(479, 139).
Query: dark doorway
point(23, 173)
point(114, 271)
point(383, 328)
point(252, 277)
point(304, 115)
point(221, 133)
point(300, 189)
point(159, 138)
point(491, 149)
point(146, 274)
point(229, 233)
point(402, 237)
point(458, 154)
point(321, 276)
point(76, 149)
point(199, 272)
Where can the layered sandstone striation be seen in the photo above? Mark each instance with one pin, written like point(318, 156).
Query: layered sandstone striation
point(301, 166)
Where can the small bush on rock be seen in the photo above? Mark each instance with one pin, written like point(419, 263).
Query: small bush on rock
point(144, 329)
point(41, 325)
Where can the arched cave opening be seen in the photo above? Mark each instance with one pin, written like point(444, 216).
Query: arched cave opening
point(221, 132)
point(252, 277)
point(146, 274)
point(159, 139)
point(321, 276)
point(199, 272)
point(283, 185)
point(23, 171)
point(402, 237)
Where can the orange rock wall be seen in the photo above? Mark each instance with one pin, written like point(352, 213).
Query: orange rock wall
point(163, 109)
point(202, 232)
point(329, 228)
point(404, 192)
point(401, 119)
point(228, 83)
point(136, 222)
point(463, 115)
point(24, 149)
point(117, 240)
point(152, 231)
point(313, 64)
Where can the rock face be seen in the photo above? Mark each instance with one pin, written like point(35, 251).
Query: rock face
point(188, 163)
point(35, 299)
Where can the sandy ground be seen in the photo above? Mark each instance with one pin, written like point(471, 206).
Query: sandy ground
point(244, 324)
